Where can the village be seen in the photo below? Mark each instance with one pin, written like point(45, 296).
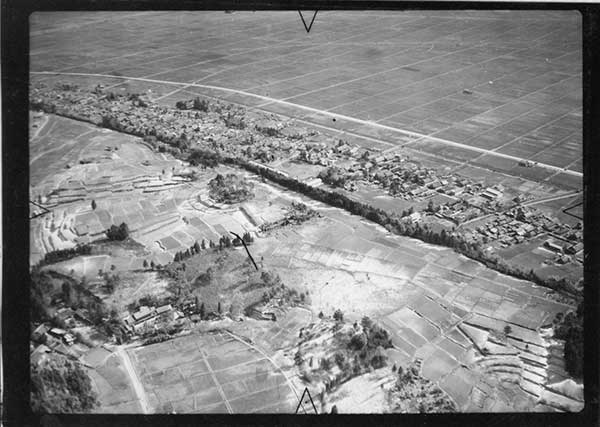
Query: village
point(261, 139)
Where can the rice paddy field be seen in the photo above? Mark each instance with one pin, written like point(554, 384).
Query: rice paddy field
point(211, 373)
point(505, 82)
point(442, 309)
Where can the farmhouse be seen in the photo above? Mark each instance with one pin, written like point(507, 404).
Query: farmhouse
point(574, 249)
point(68, 339)
point(166, 311)
point(57, 332)
point(491, 194)
point(550, 244)
point(82, 315)
point(39, 354)
point(39, 332)
point(144, 313)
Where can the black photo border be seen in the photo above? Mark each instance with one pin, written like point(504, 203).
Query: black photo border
point(15, 227)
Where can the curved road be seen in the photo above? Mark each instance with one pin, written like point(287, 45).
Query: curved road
point(315, 110)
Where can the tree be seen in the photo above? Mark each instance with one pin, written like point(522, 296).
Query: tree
point(197, 246)
point(358, 342)
point(203, 245)
point(340, 360)
point(145, 263)
point(321, 315)
point(61, 387)
point(334, 409)
point(379, 359)
point(219, 307)
point(93, 205)
point(152, 265)
point(66, 292)
point(338, 315)
point(202, 312)
point(366, 323)
point(118, 233)
point(507, 330)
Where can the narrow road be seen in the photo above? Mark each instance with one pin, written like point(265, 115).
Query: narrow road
point(551, 199)
point(323, 112)
point(530, 203)
point(137, 384)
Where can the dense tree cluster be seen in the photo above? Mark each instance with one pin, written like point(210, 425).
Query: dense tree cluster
point(413, 393)
point(334, 176)
point(369, 344)
point(570, 329)
point(192, 250)
point(75, 295)
point(59, 255)
point(61, 388)
point(230, 188)
point(194, 104)
point(118, 233)
point(204, 158)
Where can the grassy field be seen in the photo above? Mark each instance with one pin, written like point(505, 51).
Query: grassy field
point(111, 383)
point(508, 81)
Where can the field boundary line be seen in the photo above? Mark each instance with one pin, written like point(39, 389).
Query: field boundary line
point(217, 383)
point(269, 359)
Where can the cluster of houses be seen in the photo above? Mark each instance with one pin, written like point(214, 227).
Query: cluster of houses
point(318, 152)
point(507, 230)
point(53, 339)
point(522, 223)
point(458, 212)
point(269, 137)
point(409, 180)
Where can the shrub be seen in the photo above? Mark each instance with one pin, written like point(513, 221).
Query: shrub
point(118, 233)
point(325, 364)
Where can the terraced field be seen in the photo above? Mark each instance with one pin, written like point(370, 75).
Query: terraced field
point(73, 164)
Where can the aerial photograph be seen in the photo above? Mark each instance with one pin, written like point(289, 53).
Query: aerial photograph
point(238, 212)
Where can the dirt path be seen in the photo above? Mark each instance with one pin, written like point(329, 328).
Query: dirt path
point(60, 147)
point(323, 112)
point(232, 335)
point(137, 385)
point(219, 388)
